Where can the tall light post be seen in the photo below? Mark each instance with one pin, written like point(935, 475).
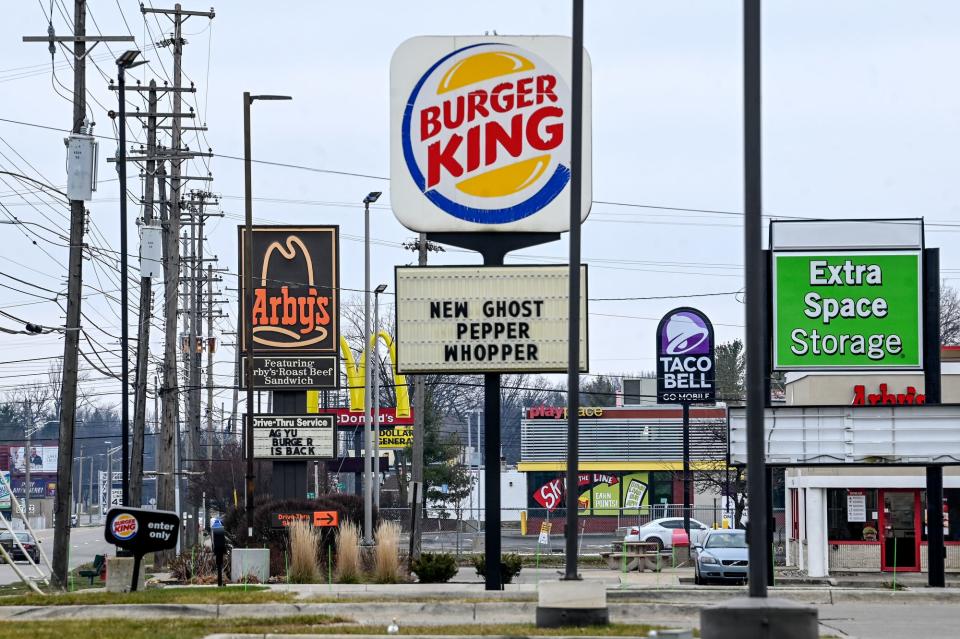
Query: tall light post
point(376, 389)
point(371, 197)
point(248, 293)
point(127, 60)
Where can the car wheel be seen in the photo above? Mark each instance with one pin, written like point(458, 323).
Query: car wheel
point(697, 581)
point(657, 541)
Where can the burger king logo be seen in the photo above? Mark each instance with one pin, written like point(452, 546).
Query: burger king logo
point(124, 526)
point(485, 133)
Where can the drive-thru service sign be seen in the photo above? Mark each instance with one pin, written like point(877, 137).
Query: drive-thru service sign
point(486, 319)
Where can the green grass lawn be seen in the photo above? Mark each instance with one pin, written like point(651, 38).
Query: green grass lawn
point(198, 595)
point(313, 624)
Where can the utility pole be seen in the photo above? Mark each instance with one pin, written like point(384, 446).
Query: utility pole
point(146, 300)
point(71, 341)
point(166, 479)
point(167, 476)
point(208, 342)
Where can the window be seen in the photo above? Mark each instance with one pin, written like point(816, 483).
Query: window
point(842, 505)
point(672, 523)
point(951, 514)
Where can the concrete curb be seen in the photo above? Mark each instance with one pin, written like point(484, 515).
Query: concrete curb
point(432, 614)
point(331, 636)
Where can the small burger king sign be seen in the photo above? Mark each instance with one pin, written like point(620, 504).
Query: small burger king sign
point(124, 526)
point(480, 134)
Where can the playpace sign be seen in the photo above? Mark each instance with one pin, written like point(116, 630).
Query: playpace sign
point(847, 310)
point(141, 531)
point(486, 319)
point(295, 309)
point(480, 134)
point(685, 358)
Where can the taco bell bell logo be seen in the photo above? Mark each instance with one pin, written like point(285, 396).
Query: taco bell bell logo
point(685, 358)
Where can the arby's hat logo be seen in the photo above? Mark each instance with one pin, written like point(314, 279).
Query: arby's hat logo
point(485, 133)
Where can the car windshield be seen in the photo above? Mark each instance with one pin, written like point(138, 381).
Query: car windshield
point(727, 540)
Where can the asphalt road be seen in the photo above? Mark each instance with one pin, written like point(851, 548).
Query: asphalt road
point(85, 543)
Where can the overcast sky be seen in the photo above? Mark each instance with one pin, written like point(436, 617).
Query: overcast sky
point(861, 119)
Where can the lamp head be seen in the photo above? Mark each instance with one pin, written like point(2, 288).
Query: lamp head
point(372, 197)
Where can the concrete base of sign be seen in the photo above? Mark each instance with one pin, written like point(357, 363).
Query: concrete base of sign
point(571, 603)
point(120, 574)
point(246, 562)
point(756, 618)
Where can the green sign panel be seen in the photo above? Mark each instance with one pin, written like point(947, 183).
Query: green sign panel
point(847, 310)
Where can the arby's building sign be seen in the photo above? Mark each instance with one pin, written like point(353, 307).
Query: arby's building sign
point(884, 397)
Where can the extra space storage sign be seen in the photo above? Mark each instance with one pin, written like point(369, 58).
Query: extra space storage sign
point(685, 358)
point(486, 319)
point(851, 309)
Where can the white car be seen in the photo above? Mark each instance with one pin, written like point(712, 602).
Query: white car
point(661, 531)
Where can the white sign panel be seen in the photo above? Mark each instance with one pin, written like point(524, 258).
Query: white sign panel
point(856, 506)
point(43, 459)
point(293, 437)
point(839, 435)
point(480, 133)
point(486, 319)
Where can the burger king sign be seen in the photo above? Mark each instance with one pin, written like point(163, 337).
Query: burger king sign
point(480, 134)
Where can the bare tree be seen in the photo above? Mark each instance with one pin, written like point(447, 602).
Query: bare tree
point(949, 315)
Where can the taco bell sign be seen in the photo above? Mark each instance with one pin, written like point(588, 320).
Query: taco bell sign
point(685, 359)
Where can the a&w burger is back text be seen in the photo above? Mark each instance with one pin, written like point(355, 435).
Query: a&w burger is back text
point(481, 134)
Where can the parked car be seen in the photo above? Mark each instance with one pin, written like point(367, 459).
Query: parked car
point(26, 540)
point(661, 530)
point(722, 557)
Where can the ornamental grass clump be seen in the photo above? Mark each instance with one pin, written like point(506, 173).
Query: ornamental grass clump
point(348, 567)
point(304, 548)
point(386, 556)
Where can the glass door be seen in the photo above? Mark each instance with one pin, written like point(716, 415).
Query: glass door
point(899, 521)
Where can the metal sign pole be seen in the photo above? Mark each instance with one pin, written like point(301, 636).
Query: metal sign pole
point(573, 339)
point(932, 382)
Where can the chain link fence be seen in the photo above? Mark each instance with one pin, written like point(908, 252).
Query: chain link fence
point(520, 528)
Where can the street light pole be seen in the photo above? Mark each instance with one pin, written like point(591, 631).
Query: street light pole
point(376, 391)
point(248, 294)
point(368, 435)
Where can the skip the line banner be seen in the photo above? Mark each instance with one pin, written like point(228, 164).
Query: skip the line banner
point(486, 319)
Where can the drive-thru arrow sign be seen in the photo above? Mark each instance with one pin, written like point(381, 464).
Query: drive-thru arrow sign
point(325, 518)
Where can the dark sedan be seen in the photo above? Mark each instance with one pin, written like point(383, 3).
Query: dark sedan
point(13, 549)
point(722, 558)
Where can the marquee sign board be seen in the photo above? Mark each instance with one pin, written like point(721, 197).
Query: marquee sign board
point(295, 310)
point(480, 134)
point(918, 434)
point(685, 358)
point(486, 319)
point(290, 437)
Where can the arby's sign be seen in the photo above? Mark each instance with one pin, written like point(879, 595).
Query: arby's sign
point(886, 398)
